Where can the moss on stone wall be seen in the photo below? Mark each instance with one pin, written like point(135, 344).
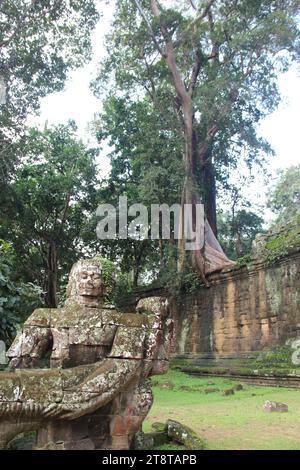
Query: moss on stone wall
point(276, 357)
point(272, 362)
point(275, 245)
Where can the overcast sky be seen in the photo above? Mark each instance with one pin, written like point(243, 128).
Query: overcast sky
point(281, 129)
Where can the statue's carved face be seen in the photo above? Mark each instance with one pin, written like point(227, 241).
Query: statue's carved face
point(89, 282)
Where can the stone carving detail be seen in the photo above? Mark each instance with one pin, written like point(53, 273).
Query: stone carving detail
point(95, 394)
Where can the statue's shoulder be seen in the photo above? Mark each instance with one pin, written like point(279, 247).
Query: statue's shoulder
point(73, 315)
point(63, 317)
point(67, 316)
point(39, 317)
point(153, 305)
point(127, 319)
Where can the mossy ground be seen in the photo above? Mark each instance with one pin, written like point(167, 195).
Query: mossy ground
point(227, 422)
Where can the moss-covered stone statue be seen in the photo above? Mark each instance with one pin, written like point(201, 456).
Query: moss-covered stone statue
point(95, 394)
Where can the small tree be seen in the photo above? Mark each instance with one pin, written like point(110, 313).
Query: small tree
point(237, 231)
point(284, 197)
point(52, 195)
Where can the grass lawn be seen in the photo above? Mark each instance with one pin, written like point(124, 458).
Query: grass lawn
point(227, 422)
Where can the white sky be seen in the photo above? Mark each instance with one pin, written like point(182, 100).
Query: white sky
point(281, 129)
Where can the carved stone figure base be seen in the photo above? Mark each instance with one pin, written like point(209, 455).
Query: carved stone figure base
point(112, 427)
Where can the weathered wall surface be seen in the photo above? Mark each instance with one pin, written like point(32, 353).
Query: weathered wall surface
point(244, 310)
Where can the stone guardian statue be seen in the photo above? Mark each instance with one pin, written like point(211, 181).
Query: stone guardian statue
point(78, 374)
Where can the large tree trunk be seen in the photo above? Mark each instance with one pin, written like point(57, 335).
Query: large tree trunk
point(238, 244)
point(212, 251)
point(208, 184)
point(190, 194)
point(52, 274)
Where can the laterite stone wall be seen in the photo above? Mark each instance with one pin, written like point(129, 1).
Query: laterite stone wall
point(244, 310)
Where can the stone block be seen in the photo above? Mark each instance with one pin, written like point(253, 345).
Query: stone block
point(274, 406)
point(143, 441)
point(184, 435)
point(10, 387)
point(128, 343)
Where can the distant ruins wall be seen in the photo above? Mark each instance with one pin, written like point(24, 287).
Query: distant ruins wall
point(244, 309)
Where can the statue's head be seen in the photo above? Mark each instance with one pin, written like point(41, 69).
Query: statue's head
point(86, 285)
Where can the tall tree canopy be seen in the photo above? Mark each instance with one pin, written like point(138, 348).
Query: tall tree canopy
point(40, 40)
point(212, 68)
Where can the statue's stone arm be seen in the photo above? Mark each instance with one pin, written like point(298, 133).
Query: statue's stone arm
point(32, 342)
point(29, 347)
point(99, 388)
point(63, 394)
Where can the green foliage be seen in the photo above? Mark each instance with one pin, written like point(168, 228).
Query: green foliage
point(276, 357)
point(176, 283)
point(170, 446)
point(284, 197)
point(244, 260)
point(241, 47)
point(123, 287)
point(40, 42)
point(25, 440)
point(49, 200)
point(146, 167)
point(237, 231)
point(146, 159)
point(185, 281)
point(17, 299)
